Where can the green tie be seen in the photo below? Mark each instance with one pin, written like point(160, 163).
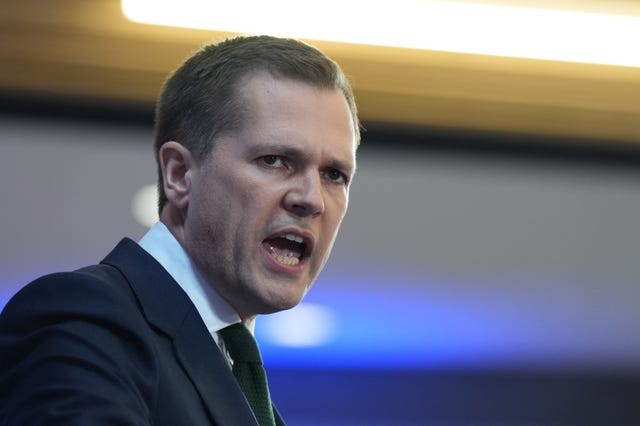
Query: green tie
point(247, 367)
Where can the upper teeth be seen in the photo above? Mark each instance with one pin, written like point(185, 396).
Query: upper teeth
point(292, 237)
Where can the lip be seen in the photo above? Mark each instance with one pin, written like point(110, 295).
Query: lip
point(307, 238)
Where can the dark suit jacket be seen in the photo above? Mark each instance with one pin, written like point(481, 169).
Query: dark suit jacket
point(118, 343)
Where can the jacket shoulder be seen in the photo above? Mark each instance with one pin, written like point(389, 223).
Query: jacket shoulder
point(80, 338)
point(93, 288)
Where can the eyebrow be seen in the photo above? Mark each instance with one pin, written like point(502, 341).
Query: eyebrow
point(346, 167)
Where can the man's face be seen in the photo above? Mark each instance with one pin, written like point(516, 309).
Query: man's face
point(265, 207)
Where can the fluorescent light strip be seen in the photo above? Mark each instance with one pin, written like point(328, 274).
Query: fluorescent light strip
point(429, 25)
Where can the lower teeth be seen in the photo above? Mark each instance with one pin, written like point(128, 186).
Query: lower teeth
point(286, 260)
point(289, 261)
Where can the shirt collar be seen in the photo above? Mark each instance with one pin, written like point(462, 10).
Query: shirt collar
point(216, 313)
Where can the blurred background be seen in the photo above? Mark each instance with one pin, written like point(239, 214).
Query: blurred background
point(487, 271)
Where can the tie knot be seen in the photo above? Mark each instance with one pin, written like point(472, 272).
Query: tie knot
point(240, 343)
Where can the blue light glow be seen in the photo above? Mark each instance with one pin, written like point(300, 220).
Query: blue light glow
point(386, 329)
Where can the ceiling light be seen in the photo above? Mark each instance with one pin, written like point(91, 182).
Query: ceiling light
point(475, 28)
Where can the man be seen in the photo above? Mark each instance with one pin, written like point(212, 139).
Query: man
point(255, 144)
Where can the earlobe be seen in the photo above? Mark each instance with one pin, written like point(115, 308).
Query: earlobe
point(177, 165)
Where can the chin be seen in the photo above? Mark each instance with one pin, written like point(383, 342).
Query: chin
point(286, 305)
point(283, 304)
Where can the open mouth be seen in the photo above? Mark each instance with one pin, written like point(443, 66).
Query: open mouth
point(288, 249)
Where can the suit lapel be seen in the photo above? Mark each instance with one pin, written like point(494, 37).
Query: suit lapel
point(210, 373)
point(167, 307)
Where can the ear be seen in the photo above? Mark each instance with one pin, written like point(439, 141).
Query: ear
point(177, 165)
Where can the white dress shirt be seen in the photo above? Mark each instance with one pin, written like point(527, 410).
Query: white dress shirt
point(216, 313)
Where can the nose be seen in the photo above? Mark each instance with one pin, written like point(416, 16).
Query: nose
point(305, 197)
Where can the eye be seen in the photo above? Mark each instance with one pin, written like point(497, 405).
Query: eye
point(272, 160)
point(336, 176)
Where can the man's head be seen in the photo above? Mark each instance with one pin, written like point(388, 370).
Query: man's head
point(256, 151)
point(200, 100)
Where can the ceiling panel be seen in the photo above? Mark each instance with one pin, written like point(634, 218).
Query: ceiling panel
point(88, 50)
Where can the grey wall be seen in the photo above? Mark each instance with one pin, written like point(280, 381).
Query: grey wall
point(498, 264)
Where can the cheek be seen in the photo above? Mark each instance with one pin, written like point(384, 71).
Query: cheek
point(332, 222)
point(339, 209)
point(248, 207)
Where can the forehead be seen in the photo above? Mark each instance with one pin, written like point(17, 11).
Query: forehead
point(250, 81)
point(286, 112)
